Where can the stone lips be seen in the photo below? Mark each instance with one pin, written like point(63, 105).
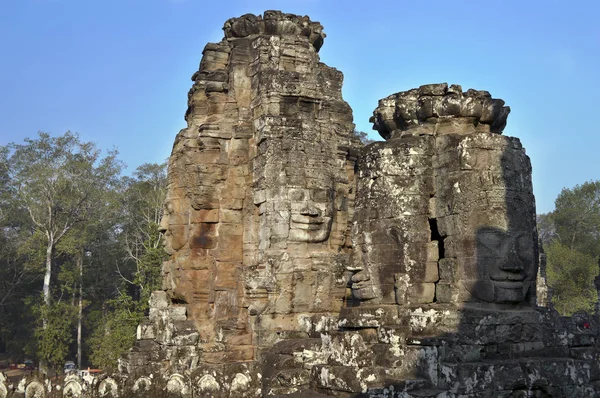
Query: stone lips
point(434, 106)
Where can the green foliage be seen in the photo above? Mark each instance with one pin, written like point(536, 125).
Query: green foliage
point(577, 217)
point(5, 193)
point(115, 335)
point(63, 193)
point(363, 137)
point(60, 182)
point(571, 276)
point(54, 341)
point(546, 228)
point(149, 264)
point(32, 251)
point(571, 238)
point(20, 270)
point(141, 242)
point(143, 200)
point(56, 180)
point(67, 279)
point(67, 217)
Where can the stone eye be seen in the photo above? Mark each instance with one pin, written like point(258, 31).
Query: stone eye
point(490, 240)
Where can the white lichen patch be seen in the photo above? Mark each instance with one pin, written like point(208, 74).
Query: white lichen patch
point(396, 346)
point(464, 155)
point(420, 319)
point(108, 387)
point(448, 373)
point(324, 376)
point(73, 387)
point(240, 382)
point(208, 383)
point(363, 381)
point(305, 323)
point(324, 324)
point(143, 383)
point(177, 384)
point(35, 389)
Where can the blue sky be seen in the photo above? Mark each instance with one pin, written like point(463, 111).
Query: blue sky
point(118, 71)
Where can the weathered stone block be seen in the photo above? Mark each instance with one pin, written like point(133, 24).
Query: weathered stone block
point(205, 216)
point(431, 273)
point(420, 293)
point(446, 293)
point(226, 275)
point(159, 299)
point(448, 270)
point(177, 313)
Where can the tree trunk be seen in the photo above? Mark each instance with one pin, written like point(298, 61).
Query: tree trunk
point(79, 318)
point(48, 274)
point(46, 291)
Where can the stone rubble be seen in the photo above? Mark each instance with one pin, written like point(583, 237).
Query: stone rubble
point(305, 265)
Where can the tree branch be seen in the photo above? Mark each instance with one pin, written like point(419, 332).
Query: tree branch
point(121, 275)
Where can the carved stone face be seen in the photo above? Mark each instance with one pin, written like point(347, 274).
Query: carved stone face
point(363, 286)
point(366, 283)
point(506, 265)
point(311, 214)
point(174, 224)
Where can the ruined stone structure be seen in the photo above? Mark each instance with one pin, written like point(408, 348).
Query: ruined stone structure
point(302, 263)
point(445, 264)
point(445, 210)
point(257, 222)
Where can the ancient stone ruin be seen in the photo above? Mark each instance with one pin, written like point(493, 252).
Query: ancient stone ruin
point(304, 263)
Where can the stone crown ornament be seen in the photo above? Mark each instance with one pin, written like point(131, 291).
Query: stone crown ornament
point(275, 23)
point(433, 105)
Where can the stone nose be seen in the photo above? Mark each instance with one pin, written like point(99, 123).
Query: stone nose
point(163, 225)
point(513, 262)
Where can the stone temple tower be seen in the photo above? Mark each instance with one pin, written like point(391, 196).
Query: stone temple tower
point(445, 210)
point(260, 199)
point(303, 262)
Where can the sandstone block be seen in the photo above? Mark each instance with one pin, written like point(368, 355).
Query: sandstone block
point(446, 293)
point(159, 299)
point(177, 313)
point(421, 293)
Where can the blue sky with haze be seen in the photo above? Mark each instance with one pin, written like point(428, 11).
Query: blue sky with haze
point(118, 71)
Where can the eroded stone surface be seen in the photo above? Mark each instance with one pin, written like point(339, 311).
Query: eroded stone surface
point(418, 273)
point(439, 109)
point(303, 265)
point(260, 199)
point(444, 216)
